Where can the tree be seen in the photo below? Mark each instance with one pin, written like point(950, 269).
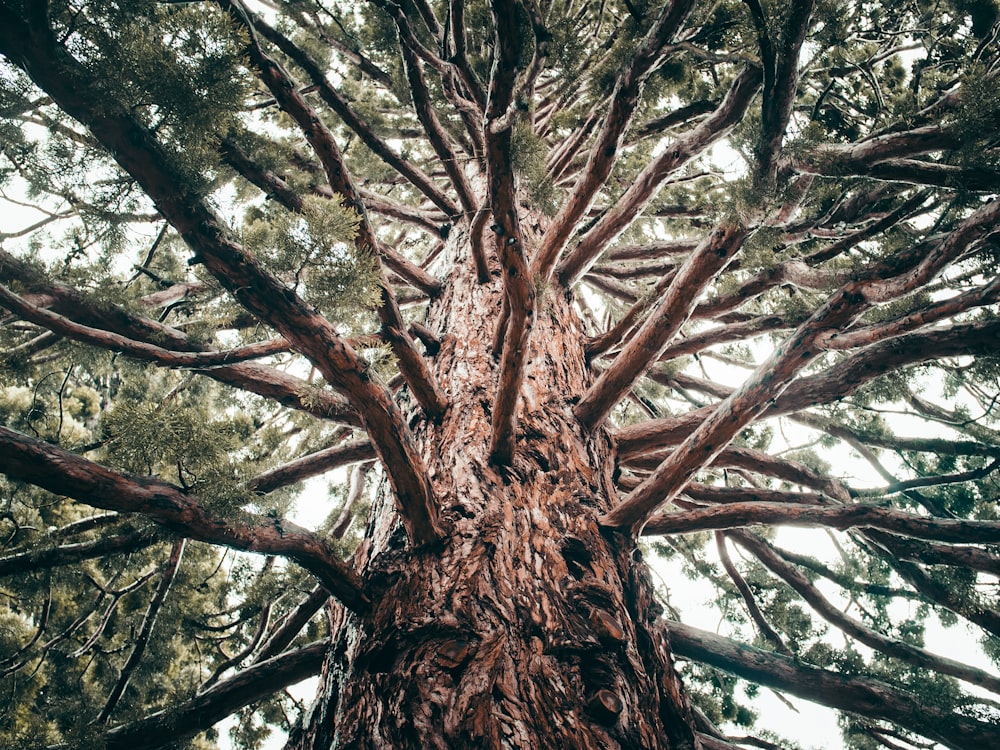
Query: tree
point(563, 285)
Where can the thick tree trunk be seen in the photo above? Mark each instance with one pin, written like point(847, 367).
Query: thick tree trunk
point(525, 627)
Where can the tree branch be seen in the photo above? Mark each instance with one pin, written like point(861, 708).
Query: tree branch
point(673, 309)
point(741, 514)
point(604, 152)
point(128, 540)
point(221, 700)
point(145, 631)
point(312, 465)
point(29, 460)
point(519, 291)
point(646, 185)
point(412, 366)
point(356, 123)
point(860, 695)
point(871, 638)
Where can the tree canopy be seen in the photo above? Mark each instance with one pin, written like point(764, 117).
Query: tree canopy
point(241, 244)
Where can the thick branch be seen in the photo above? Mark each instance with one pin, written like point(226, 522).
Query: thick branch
point(519, 291)
point(735, 515)
point(698, 269)
point(29, 460)
point(830, 385)
point(860, 695)
point(221, 700)
point(267, 382)
point(147, 352)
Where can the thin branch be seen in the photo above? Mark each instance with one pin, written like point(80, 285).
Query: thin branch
point(138, 349)
point(738, 514)
point(312, 465)
point(763, 626)
point(68, 554)
point(871, 638)
point(436, 134)
point(355, 122)
point(145, 631)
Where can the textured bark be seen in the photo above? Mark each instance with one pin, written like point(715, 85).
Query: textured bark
point(525, 626)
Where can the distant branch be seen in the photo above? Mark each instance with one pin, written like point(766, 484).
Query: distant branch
point(128, 540)
point(645, 186)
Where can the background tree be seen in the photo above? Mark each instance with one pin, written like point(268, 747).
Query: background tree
point(552, 279)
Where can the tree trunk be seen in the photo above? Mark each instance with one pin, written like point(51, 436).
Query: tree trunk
point(525, 627)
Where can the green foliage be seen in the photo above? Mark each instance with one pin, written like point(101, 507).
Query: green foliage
point(314, 250)
point(528, 154)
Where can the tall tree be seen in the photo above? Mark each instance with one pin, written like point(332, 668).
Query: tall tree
point(537, 287)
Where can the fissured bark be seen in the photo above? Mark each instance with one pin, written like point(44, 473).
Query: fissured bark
point(525, 627)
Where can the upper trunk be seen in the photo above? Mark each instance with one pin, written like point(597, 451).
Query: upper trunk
point(525, 627)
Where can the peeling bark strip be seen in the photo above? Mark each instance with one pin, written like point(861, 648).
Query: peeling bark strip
point(35, 48)
point(29, 460)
